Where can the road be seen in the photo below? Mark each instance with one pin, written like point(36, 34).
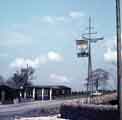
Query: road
point(25, 107)
point(22, 108)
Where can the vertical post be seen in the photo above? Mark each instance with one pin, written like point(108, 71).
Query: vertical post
point(89, 39)
point(97, 85)
point(119, 80)
point(34, 93)
point(3, 96)
point(50, 93)
point(42, 94)
point(25, 94)
point(89, 59)
point(20, 94)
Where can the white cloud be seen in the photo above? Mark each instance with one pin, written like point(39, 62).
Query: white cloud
point(110, 55)
point(22, 63)
point(54, 56)
point(23, 34)
point(37, 61)
point(56, 19)
point(59, 78)
point(53, 19)
point(76, 14)
point(60, 18)
point(42, 59)
point(48, 19)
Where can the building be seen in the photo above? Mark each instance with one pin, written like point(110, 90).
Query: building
point(8, 94)
point(44, 92)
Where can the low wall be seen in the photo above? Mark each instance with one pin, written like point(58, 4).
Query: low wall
point(88, 112)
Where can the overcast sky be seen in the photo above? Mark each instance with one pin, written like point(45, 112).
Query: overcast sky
point(42, 33)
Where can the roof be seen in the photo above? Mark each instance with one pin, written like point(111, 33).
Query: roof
point(38, 87)
point(49, 86)
point(8, 87)
point(5, 87)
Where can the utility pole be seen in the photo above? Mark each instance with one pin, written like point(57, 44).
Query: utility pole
point(88, 37)
point(119, 67)
point(89, 58)
point(84, 45)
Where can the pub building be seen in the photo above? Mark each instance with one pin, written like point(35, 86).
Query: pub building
point(8, 94)
point(44, 92)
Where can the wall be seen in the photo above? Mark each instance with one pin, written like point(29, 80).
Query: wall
point(88, 112)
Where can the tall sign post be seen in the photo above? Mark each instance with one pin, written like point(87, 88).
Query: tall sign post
point(89, 39)
point(119, 67)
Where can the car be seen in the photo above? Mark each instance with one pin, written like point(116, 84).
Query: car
point(96, 93)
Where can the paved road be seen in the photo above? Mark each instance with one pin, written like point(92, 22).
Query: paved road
point(24, 107)
point(21, 108)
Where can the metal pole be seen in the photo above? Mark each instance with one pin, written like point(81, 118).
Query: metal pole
point(89, 58)
point(87, 36)
point(119, 81)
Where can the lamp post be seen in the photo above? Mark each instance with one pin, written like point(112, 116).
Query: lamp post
point(119, 67)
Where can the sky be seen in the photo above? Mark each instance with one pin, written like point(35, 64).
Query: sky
point(42, 33)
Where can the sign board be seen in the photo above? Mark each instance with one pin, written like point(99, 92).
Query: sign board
point(82, 54)
point(82, 46)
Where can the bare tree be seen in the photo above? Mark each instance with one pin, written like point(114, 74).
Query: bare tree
point(98, 79)
point(2, 81)
point(21, 78)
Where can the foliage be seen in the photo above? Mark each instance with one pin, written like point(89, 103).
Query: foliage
point(1, 80)
point(98, 78)
point(21, 78)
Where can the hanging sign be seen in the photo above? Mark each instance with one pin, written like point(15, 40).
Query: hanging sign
point(82, 46)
